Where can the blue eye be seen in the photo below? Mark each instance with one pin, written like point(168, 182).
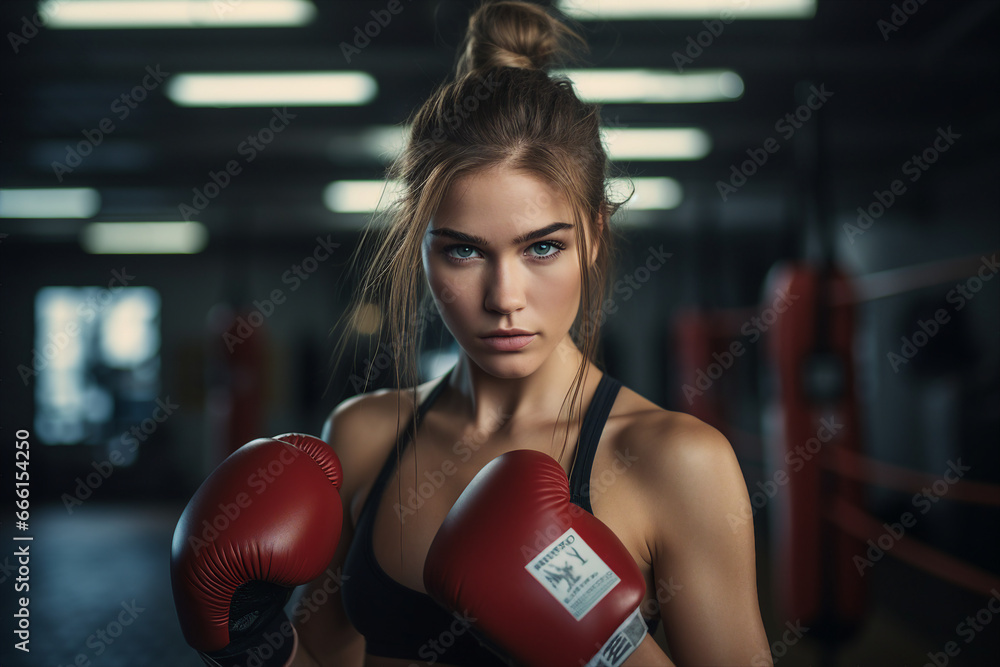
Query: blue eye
point(544, 247)
point(555, 248)
point(541, 251)
point(460, 249)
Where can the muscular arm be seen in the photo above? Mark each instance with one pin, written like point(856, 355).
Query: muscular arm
point(714, 618)
point(357, 431)
point(326, 637)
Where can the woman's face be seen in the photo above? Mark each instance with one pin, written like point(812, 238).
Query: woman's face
point(501, 254)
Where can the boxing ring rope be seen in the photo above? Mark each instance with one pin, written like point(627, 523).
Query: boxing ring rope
point(869, 287)
point(891, 282)
point(821, 520)
point(879, 473)
point(863, 526)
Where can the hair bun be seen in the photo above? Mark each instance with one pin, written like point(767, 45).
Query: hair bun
point(513, 34)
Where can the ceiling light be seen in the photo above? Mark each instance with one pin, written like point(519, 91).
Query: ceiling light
point(360, 196)
point(49, 203)
point(386, 142)
point(273, 88)
point(656, 143)
point(651, 86)
point(649, 194)
point(381, 143)
point(688, 9)
point(144, 237)
point(95, 14)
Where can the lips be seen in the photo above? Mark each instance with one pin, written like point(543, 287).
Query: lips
point(508, 340)
point(507, 332)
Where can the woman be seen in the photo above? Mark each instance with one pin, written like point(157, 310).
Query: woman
point(505, 211)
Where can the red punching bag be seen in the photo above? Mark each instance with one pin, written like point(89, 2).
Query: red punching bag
point(812, 409)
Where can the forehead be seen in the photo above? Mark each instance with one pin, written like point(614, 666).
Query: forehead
point(500, 201)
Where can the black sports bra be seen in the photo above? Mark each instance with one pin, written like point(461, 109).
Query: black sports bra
point(400, 622)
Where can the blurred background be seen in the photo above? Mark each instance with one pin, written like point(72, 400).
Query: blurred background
point(813, 236)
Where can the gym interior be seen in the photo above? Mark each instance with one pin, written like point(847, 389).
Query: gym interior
point(807, 263)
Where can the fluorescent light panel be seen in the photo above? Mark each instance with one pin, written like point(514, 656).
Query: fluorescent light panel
point(266, 89)
point(688, 9)
point(49, 203)
point(656, 143)
point(386, 142)
point(380, 142)
point(650, 194)
point(94, 14)
point(360, 196)
point(655, 86)
point(161, 238)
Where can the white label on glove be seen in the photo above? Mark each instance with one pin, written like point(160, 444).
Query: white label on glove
point(573, 574)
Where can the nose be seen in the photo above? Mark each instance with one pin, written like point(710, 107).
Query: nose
point(505, 289)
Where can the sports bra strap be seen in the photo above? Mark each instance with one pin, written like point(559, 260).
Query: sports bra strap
point(431, 397)
point(590, 436)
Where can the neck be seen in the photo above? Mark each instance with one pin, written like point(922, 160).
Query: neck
point(491, 403)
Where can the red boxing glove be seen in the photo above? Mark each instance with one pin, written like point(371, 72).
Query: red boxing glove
point(546, 582)
point(266, 520)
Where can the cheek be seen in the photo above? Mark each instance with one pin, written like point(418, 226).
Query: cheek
point(450, 294)
point(559, 292)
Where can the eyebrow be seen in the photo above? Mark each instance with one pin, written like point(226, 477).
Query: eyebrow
point(518, 240)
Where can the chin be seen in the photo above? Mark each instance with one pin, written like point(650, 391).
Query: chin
point(505, 365)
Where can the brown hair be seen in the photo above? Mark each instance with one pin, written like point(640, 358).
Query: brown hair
point(501, 109)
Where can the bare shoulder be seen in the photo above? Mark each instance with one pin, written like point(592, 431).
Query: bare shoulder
point(363, 428)
point(657, 432)
point(681, 459)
